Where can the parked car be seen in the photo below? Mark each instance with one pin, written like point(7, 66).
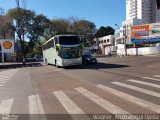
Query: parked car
point(88, 59)
point(30, 59)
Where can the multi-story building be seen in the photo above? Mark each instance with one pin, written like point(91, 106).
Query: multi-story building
point(146, 10)
point(139, 12)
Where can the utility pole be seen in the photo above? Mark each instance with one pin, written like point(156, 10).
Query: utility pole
point(17, 2)
point(125, 36)
point(24, 4)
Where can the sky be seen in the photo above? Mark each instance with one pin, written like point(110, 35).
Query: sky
point(100, 12)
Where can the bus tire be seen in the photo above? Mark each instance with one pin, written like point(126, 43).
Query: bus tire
point(56, 63)
point(46, 62)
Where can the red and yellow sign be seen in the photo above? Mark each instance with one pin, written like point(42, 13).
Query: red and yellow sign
point(139, 31)
point(7, 45)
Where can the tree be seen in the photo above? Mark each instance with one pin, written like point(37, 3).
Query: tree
point(1, 11)
point(104, 31)
point(84, 28)
point(60, 26)
point(29, 27)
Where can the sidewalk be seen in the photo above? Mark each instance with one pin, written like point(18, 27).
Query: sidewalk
point(14, 65)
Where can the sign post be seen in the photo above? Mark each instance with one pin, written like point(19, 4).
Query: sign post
point(2, 58)
point(7, 46)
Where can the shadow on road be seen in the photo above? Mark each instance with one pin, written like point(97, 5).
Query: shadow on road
point(19, 65)
point(97, 66)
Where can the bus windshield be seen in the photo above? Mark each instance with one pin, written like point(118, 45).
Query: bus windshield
point(70, 52)
point(68, 40)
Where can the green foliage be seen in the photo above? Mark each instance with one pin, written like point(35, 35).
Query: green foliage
point(29, 28)
point(84, 28)
point(104, 31)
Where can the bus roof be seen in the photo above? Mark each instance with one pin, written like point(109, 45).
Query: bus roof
point(58, 36)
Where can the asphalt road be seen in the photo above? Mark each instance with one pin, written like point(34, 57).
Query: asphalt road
point(114, 86)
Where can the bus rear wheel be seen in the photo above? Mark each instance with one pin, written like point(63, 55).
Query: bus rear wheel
point(56, 63)
point(46, 62)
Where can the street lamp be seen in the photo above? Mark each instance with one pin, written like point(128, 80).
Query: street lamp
point(117, 25)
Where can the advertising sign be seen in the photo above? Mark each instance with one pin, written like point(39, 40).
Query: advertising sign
point(145, 33)
point(7, 45)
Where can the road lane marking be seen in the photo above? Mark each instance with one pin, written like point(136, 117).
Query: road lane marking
point(144, 83)
point(143, 103)
point(151, 78)
point(5, 77)
point(35, 105)
point(3, 82)
point(5, 106)
point(1, 85)
point(75, 112)
point(149, 92)
point(67, 103)
point(101, 102)
point(156, 75)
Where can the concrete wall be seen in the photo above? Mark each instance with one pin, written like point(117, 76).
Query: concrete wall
point(139, 51)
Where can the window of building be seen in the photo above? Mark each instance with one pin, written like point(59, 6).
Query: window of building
point(107, 40)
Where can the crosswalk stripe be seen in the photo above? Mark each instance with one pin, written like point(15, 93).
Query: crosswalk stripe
point(144, 83)
point(1, 85)
point(3, 82)
point(5, 106)
point(101, 102)
point(156, 75)
point(35, 105)
point(151, 78)
point(70, 106)
point(149, 92)
point(5, 77)
point(143, 103)
point(67, 103)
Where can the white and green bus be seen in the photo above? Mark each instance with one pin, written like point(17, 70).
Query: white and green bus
point(62, 50)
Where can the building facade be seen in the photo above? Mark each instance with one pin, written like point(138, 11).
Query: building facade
point(147, 11)
point(104, 45)
point(138, 12)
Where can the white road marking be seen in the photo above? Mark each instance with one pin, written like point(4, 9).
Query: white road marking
point(149, 92)
point(101, 102)
point(156, 75)
point(144, 83)
point(35, 105)
point(75, 112)
point(1, 85)
point(3, 82)
point(143, 103)
point(67, 103)
point(5, 106)
point(151, 78)
point(4, 77)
